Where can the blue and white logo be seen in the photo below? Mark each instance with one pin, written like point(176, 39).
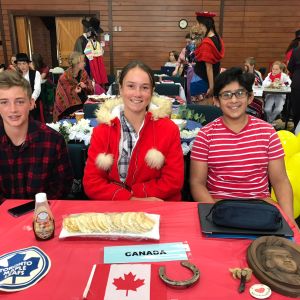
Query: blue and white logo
point(22, 268)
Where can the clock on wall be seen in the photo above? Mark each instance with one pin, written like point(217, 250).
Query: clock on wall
point(183, 24)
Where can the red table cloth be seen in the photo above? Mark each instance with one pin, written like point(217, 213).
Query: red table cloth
point(72, 260)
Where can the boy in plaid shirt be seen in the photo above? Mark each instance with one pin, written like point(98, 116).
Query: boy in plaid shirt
point(33, 157)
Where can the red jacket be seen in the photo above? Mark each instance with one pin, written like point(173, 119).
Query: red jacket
point(142, 181)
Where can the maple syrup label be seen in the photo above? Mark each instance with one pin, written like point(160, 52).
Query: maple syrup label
point(22, 268)
point(43, 225)
point(128, 281)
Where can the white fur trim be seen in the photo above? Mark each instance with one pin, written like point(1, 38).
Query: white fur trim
point(104, 161)
point(104, 113)
point(154, 159)
point(159, 107)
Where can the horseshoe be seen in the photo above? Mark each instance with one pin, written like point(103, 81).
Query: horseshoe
point(180, 283)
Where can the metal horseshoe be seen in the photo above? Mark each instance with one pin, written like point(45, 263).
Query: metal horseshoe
point(182, 283)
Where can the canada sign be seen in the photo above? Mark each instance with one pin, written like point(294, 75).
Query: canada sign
point(22, 268)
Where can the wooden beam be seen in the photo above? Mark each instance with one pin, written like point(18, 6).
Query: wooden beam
point(3, 44)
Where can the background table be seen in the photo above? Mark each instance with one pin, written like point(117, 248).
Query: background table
point(262, 91)
point(72, 260)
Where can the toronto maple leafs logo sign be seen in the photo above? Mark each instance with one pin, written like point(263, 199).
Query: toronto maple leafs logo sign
point(22, 268)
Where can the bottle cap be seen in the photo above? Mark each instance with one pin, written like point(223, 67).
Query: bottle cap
point(260, 291)
point(40, 197)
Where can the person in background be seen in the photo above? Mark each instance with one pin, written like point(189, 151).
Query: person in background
point(256, 106)
point(90, 26)
point(274, 102)
point(34, 78)
point(294, 69)
point(94, 51)
point(73, 88)
point(196, 38)
point(46, 98)
point(13, 64)
point(207, 57)
point(181, 61)
point(135, 152)
point(293, 45)
point(237, 155)
point(249, 66)
point(173, 57)
point(33, 157)
point(2, 67)
point(39, 65)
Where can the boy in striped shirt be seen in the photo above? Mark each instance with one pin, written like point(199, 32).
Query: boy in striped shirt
point(236, 155)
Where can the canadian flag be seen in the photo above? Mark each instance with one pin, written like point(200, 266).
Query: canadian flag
point(126, 282)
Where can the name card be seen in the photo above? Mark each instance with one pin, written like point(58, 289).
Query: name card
point(146, 253)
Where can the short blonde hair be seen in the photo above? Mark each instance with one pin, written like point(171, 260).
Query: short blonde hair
point(74, 58)
point(250, 60)
point(9, 79)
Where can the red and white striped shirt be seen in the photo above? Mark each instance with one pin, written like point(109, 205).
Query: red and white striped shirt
point(237, 162)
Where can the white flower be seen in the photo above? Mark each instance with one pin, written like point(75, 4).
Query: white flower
point(80, 131)
point(189, 134)
point(185, 148)
point(54, 126)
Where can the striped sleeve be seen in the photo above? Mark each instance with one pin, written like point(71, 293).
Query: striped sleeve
point(275, 150)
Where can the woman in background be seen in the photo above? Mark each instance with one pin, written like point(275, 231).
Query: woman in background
point(208, 56)
point(173, 57)
point(293, 45)
point(39, 65)
point(294, 69)
point(181, 61)
point(13, 63)
point(73, 88)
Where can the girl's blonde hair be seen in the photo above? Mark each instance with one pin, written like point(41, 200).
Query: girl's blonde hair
point(281, 65)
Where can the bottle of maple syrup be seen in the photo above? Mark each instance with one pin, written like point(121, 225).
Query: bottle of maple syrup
point(43, 221)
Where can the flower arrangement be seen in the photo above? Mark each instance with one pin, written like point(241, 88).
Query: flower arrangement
point(189, 114)
point(187, 136)
point(80, 131)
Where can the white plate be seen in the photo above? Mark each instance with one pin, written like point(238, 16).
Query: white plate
point(151, 235)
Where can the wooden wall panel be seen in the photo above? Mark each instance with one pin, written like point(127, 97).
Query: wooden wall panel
point(259, 28)
point(41, 40)
point(150, 28)
point(48, 8)
point(262, 29)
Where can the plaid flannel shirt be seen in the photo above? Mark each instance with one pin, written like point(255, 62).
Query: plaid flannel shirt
point(40, 164)
point(129, 140)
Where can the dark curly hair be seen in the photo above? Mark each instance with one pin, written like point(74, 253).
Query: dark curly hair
point(235, 74)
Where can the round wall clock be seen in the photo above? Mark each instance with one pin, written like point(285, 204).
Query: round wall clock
point(183, 23)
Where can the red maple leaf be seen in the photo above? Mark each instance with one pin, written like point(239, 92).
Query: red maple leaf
point(128, 283)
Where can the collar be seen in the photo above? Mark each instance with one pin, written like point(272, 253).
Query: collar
point(32, 134)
